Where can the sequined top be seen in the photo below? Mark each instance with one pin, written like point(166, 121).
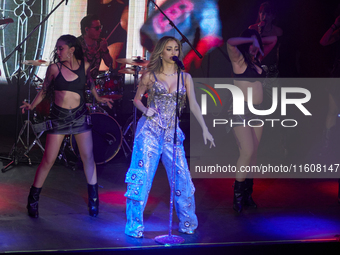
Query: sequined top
point(165, 103)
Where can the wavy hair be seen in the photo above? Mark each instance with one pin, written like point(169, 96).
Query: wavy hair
point(155, 64)
point(70, 41)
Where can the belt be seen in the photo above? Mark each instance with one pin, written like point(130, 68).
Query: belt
point(63, 122)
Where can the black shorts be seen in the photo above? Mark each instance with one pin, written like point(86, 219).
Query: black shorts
point(69, 121)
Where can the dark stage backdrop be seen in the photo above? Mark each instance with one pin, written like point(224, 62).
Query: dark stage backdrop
point(303, 23)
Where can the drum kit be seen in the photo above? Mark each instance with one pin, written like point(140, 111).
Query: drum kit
point(108, 135)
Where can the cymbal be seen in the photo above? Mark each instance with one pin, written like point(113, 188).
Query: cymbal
point(39, 62)
point(131, 70)
point(133, 61)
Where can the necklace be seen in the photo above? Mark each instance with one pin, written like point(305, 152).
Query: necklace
point(170, 74)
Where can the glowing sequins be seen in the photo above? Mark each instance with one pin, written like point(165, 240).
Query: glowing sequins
point(165, 104)
point(154, 140)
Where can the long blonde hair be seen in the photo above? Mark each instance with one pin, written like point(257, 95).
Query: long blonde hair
point(155, 63)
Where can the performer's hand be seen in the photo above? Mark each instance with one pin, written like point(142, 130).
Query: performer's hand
point(261, 23)
point(26, 106)
point(207, 135)
point(150, 112)
point(105, 100)
point(103, 45)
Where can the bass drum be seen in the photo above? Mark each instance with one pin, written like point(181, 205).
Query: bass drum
point(107, 138)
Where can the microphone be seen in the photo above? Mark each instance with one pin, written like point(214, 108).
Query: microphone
point(178, 62)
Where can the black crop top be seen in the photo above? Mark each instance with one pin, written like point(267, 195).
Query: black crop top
point(77, 85)
point(250, 74)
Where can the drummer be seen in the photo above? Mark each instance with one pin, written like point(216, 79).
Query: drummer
point(95, 48)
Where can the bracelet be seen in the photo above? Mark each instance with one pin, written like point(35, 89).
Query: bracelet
point(146, 109)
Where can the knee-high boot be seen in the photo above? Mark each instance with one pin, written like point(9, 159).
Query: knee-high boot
point(248, 200)
point(33, 201)
point(93, 199)
point(239, 188)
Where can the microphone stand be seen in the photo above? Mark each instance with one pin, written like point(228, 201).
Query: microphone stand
point(173, 239)
point(13, 155)
point(27, 125)
point(170, 238)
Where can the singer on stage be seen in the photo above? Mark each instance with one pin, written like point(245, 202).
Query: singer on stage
point(154, 138)
point(94, 48)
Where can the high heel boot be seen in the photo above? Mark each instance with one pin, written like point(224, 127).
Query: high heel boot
point(248, 200)
point(33, 201)
point(93, 199)
point(239, 188)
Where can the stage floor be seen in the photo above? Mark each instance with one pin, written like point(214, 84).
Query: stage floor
point(290, 211)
